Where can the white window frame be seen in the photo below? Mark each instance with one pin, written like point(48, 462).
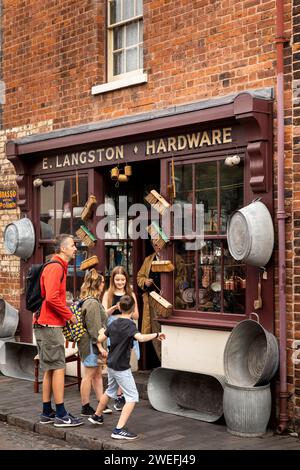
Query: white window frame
point(125, 79)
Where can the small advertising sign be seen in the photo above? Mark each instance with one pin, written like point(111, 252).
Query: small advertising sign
point(8, 198)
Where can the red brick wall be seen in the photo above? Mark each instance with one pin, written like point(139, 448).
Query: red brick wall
point(54, 54)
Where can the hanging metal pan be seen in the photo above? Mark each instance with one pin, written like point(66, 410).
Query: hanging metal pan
point(19, 238)
point(250, 234)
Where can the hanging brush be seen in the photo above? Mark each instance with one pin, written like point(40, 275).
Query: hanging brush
point(86, 236)
point(88, 208)
point(162, 266)
point(89, 263)
point(160, 306)
point(158, 236)
point(157, 201)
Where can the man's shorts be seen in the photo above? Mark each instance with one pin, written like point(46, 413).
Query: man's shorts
point(91, 360)
point(51, 347)
point(125, 380)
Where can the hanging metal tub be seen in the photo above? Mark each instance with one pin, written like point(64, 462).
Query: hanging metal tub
point(188, 394)
point(18, 360)
point(250, 234)
point(9, 319)
point(251, 355)
point(19, 238)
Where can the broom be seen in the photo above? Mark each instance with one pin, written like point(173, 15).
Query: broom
point(171, 188)
point(75, 196)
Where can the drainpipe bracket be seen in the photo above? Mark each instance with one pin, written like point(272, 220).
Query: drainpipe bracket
point(282, 39)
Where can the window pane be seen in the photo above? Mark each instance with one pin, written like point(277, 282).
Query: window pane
point(139, 7)
point(118, 66)
point(131, 34)
point(234, 284)
point(131, 59)
point(115, 11)
point(140, 57)
point(47, 211)
point(63, 207)
point(118, 38)
point(206, 194)
point(141, 27)
point(210, 277)
point(184, 277)
point(128, 9)
point(232, 191)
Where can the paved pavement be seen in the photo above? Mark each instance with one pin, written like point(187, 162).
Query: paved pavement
point(20, 406)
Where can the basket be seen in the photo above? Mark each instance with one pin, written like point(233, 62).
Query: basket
point(161, 306)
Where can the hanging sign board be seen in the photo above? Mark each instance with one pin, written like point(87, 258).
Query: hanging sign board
point(8, 198)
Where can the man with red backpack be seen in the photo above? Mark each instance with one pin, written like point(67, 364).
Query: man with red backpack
point(48, 324)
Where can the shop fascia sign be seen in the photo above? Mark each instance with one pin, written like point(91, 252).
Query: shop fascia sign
point(139, 151)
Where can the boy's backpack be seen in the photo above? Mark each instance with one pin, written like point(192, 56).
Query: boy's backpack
point(33, 294)
point(74, 331)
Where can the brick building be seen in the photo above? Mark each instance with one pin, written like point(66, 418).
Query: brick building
point(184, 84)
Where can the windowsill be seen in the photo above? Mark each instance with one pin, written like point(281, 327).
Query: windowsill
point(131, 80)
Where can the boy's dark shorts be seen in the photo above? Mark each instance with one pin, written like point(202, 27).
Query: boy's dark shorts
point(51, 347)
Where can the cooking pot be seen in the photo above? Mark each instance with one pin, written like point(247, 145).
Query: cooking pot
point(19, 238)
point(250, 234)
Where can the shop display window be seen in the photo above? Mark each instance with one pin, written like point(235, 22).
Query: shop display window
point(206, 278)
point(61, 203)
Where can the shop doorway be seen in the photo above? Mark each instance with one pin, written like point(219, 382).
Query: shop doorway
point(121, 246)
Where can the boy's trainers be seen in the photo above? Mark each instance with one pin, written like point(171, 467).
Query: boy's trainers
point(95, 419)
point(47, 419)
point(107, 411)
point(119, 403)
point(87, 410)
point(123, 433)
point(67, 421)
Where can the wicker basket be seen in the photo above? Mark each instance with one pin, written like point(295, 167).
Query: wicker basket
point(89, 263)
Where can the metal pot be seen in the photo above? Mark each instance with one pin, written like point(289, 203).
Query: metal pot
point(19, 238)
point(250, 234)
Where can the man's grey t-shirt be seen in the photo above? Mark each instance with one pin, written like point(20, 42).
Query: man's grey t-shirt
point(121, 334)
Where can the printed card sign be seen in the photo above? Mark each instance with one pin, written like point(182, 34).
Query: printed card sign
point(8, 198)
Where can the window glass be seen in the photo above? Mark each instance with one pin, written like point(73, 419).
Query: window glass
point(206, 277)
point(125, 37)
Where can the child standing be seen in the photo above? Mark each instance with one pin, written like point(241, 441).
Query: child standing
point(94, 318)
point(119, 286)
point(121, 332)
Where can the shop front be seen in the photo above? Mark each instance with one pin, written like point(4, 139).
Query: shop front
point(209, 158)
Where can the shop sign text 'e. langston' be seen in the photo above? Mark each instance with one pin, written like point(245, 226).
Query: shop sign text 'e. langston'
point(189, 143)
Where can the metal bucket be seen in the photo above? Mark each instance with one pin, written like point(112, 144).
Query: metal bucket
point(247, 410)
point(18, 361)
point(250, 234)
point(19, 238)
point(251, 355)
point(188, 394)
point(9, 319)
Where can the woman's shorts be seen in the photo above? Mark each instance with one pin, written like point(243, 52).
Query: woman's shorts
point(91, 360)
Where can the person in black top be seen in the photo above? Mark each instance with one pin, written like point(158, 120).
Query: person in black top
point(122, 333)
point(119, 285)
